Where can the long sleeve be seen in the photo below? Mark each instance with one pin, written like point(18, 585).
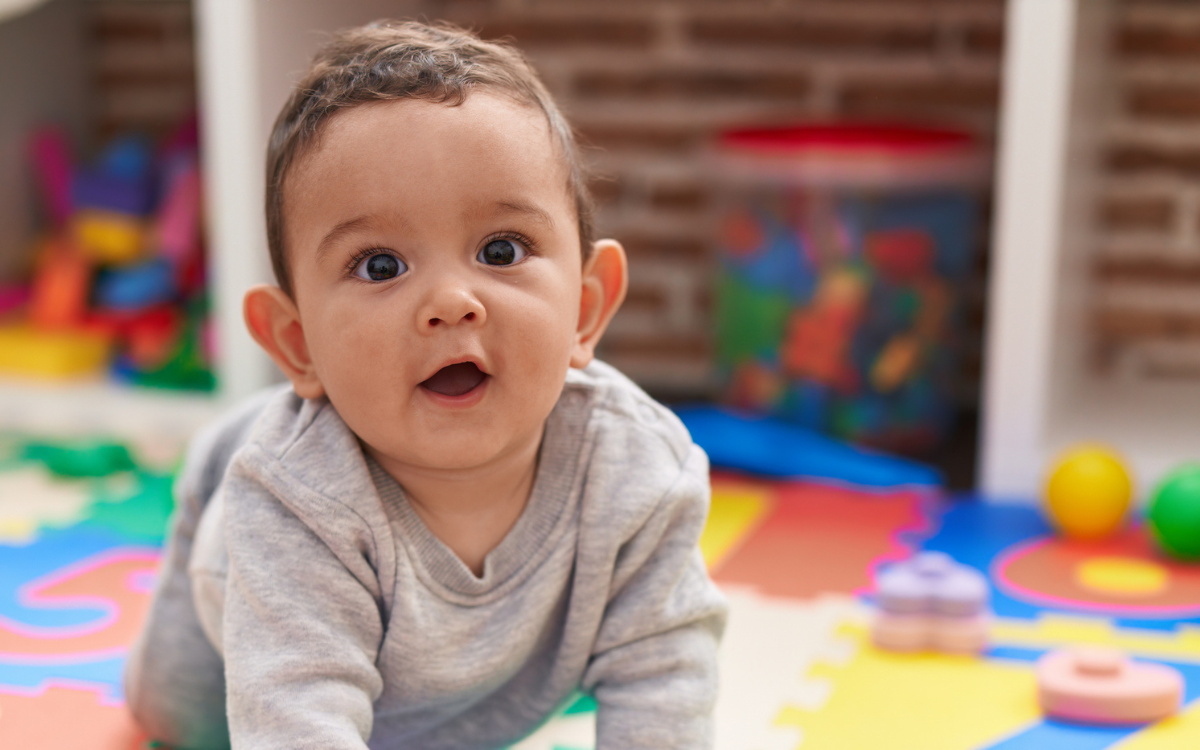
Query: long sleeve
point(653, 669)
point(174, 678)
point(303, 619)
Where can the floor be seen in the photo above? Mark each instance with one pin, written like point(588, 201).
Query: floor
point(797, 561)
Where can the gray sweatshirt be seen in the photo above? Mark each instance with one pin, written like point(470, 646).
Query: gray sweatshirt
point(342, 622)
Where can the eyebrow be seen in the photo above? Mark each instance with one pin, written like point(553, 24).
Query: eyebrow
point(518, 207)
point(350, 226)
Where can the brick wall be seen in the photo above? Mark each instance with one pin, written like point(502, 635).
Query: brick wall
point(143, 65)
point(648, 82)
point(1147, 265)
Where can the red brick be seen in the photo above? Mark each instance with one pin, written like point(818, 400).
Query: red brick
point(1142, 158)
point(605, 190)
point(123, 22)
point(984, 39)
point(708, 84)
point(1148, 271)
point(664, 347)
point(1132, 325)
point(659, 138)
point(550, 32)
point(1166, 102)
point(814, 35)
point(1145, 42)
point(680, 197)
point(671, 246)
point(645, 299)
point(184, 77)
point(1137, 213)
point(876, 97)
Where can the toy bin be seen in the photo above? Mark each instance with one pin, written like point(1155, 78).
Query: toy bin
point(843, 252)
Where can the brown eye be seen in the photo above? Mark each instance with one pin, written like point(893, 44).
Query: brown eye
point(380, 267)
point(501, 253)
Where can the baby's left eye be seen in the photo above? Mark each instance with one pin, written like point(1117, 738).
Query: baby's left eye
point(502, 253)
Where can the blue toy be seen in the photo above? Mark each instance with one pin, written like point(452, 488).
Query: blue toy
point(136, 287)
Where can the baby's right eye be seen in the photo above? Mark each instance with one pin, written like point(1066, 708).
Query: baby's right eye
point(380, 267)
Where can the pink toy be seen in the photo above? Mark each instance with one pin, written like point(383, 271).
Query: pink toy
point(13, 297)
point(51, 157)
point(178, 223)
point(923, 632)
point(931, 603)
point(1102, 686)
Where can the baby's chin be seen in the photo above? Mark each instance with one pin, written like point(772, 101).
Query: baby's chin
point(453, 451)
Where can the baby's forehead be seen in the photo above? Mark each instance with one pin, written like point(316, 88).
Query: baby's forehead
point(490, 132)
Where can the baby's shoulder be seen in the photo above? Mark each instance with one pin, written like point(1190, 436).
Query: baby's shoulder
point(640, 453)
point(212, 449)
point(628, 420)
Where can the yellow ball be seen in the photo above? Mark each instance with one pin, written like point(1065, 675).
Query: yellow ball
point(1089, 492)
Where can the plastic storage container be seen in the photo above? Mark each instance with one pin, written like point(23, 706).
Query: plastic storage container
point(843, 253)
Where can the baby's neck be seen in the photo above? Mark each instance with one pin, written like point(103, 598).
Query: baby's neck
point(469, 510)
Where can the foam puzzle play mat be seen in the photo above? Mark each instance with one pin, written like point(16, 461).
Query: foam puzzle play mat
point(81, 526)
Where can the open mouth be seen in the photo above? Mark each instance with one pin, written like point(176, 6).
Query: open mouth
point(455, 380)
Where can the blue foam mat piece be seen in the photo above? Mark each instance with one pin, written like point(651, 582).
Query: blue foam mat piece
point(768, 446)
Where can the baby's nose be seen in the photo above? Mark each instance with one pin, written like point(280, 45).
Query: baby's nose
point(451, 307)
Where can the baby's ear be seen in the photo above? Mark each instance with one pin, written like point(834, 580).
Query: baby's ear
point(605, 279)
point(274, 322)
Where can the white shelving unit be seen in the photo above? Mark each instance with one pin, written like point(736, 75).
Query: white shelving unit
point(1041, 396)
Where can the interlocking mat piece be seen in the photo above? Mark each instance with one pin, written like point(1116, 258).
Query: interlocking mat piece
point(797, 562)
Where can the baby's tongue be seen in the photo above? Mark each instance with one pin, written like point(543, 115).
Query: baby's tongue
point(455, 380)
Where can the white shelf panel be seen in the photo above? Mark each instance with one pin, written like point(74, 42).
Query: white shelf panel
point(101, 407)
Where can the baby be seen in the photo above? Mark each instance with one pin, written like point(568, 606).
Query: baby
point(454, 517)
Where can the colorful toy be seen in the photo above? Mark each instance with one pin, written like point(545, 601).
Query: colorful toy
point(60, 286)
point(102, 191)
point(930, 602)
point(108, 237)
point(13, 297)
point(1102, 686)
point(1088, 493)
point(178, 226)
point(841, 265)
point(28, 351)
point(1174, 513)
point(124, 265)
point(51, 157)
point(136, 287)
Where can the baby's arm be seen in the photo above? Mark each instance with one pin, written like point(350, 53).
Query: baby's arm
point(302, 624)
point(653, 671)
point(174, 679)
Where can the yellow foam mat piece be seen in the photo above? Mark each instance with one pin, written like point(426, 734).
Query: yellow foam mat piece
point(1175, 733)
point(734, 514)
point(1050, 631)
point(916, 701)
point(54, 354)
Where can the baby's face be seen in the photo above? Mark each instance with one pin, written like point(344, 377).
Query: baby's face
point(437, 273)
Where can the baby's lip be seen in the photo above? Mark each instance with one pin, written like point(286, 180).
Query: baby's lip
point(457, 361)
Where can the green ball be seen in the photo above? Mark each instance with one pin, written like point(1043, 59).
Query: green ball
point(1174, 513)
